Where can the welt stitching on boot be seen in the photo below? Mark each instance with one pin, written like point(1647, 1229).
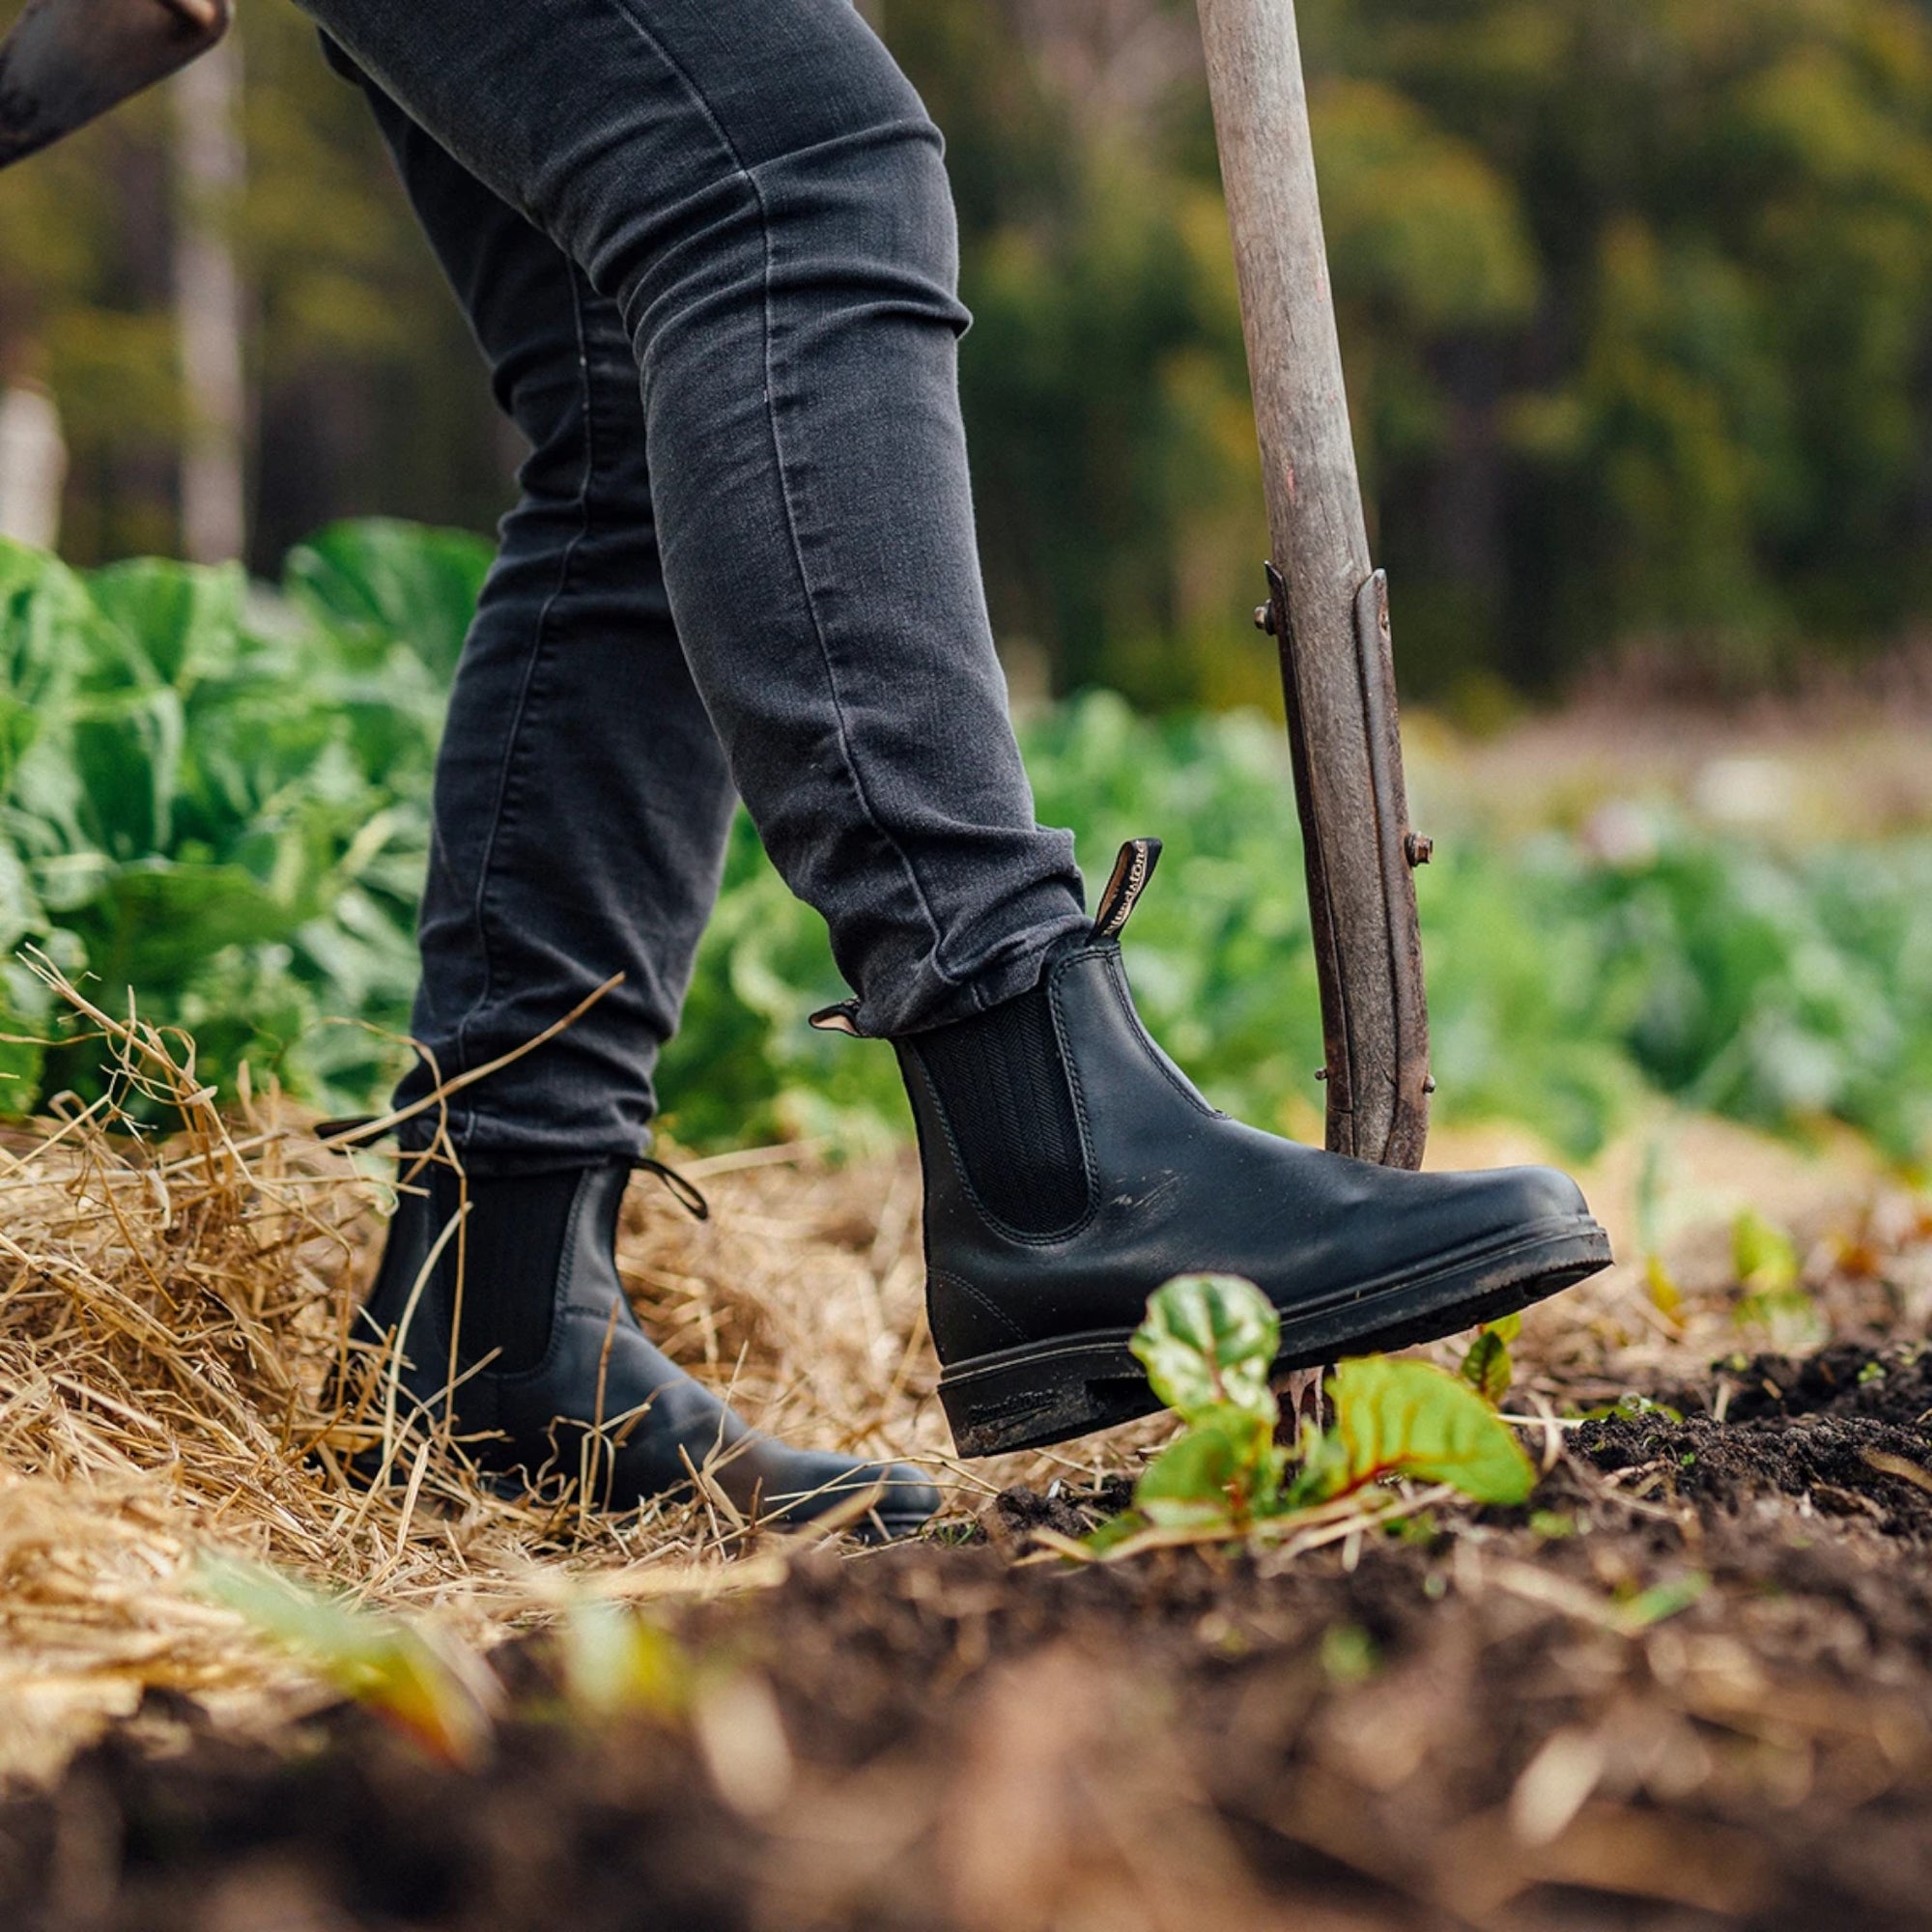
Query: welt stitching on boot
point(1001, 1085)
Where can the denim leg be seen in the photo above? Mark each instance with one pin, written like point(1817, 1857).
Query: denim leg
point(581, 797)
point(760, 194)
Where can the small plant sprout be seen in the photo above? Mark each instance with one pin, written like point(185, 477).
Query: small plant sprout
point(615, 1664)
point(1208, 1345)
point(1773, 1299)
point(1411, 1419)
point(1348, 1655)
point(1658, 1282)
point(1763, 1256)
point(1486, 1367)
point(443, 1699)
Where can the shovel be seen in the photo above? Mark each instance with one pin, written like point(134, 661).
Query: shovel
point(1327, 605)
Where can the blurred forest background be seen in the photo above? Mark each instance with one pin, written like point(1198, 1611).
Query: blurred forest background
point(1637, 309)
point(1637, 305)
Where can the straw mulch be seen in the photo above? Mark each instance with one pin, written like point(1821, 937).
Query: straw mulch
point(176, 1376)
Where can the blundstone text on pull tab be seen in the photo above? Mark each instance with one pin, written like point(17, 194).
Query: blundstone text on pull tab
point(1133, 870)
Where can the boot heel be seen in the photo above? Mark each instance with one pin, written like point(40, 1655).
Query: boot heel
point(1027, 1397)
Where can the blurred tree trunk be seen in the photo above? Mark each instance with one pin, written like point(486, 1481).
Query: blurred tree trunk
point(33, 467)
point(210, 165)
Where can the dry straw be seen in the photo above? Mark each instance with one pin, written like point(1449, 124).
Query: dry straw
point(179, 1374)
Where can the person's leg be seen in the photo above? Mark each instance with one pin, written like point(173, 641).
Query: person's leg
point(581, 809)
point(581, 797)
point(760, 191)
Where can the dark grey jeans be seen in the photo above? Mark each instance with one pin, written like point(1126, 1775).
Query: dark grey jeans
point(709, 252)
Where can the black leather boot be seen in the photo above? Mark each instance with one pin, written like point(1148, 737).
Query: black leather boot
point(1071, 1168)
point(554, 1379)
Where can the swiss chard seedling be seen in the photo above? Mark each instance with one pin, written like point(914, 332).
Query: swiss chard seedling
point(1486, 1367)
point(1209, 1345)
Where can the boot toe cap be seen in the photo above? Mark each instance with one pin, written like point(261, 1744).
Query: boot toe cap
point(1537, 1194)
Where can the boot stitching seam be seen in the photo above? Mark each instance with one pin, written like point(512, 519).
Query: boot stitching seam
point(1118, 978)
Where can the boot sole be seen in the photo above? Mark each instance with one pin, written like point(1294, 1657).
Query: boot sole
point(1047, 1392)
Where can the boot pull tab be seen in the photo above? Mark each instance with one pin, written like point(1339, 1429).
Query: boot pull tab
point(686, 1193)
point(1133, 870)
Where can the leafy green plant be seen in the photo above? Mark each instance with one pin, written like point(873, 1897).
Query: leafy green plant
point(1208, 1345)
point(215, 796)
point(215, 799)
point(1396, 1418)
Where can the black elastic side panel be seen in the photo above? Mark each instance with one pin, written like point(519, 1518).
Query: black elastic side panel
point(1006, 1094)
point(512, 1246)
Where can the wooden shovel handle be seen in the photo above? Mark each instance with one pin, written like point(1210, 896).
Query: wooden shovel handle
point(1328, 606)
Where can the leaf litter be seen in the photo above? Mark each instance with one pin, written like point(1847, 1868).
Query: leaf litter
point(1689, 1683)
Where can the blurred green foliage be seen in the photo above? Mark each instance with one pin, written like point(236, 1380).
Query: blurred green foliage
point(213, 798)
point(215, 801)
point(1780, 988)
point(1634, 298)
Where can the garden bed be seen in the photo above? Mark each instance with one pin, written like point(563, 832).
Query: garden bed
point(1689, 1685)
point(1667, 1716)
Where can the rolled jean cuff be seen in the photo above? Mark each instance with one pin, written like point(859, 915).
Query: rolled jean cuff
point(925, 997)
point(488, 1152)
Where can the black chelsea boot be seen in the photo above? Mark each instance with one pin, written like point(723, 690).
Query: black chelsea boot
point(554, 1377)
point(1071, 1168)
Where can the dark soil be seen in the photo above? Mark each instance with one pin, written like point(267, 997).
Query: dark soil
point(1844, 1432)
point(1690, 1688)
point(1694, 1689)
